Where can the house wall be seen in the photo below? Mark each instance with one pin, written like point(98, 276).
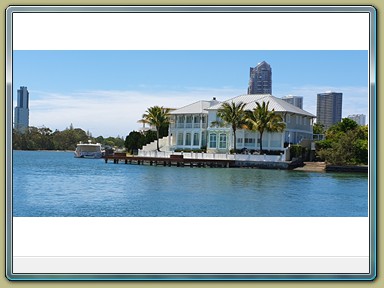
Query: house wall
point(188, 131)
point(220, 139)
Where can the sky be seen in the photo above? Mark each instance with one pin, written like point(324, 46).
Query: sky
point(106, 92)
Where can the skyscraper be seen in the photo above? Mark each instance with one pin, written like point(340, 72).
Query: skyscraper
point(329, 107)
point(358, 118)
point(260, 79)
point(294, 100)
point(21, 121)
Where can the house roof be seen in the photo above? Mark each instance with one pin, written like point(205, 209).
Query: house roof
point(275, 103)
point(198, 107)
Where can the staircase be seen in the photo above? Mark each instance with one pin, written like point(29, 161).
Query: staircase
point(163, 144)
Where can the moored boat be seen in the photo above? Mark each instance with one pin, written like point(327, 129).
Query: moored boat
point(88, 150)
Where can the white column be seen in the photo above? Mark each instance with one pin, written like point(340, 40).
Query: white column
point(201, 131)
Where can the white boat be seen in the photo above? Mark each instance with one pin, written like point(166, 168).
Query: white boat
point(88, 150)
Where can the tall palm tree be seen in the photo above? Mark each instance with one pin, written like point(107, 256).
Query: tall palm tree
point(157, 117)
point(232, 114)
point(261, 119)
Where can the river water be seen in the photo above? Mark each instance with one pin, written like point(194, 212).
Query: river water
point(47, 184)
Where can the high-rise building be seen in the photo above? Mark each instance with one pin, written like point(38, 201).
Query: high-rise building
point(21, 121)
point(358, 118)
point(329, 107)
point(260, 79)
point(294, 100)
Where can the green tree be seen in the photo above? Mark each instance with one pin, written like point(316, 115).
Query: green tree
point(157, 117)
point(232, 114)
point(345, 125)
point(134, 141)
point(346, 143)
point(261, 119)
point(318, 128)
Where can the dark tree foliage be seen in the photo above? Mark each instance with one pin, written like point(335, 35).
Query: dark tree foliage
point(136, 140)
point(44, 139)
point(346, 143)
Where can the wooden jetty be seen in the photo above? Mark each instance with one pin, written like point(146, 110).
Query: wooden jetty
point(173, 160)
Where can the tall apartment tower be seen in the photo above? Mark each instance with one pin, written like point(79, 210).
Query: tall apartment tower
point(260, 79)
point(358, 118)
point(294, 100)
point(329, 107)
point(21, 121)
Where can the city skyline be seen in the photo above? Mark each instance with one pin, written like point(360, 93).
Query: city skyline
point(21, 121)
point(106, 92)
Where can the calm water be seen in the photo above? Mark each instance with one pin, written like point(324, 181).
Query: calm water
point(57, 184)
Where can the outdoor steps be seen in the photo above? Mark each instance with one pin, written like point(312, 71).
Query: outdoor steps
point(163, 144)
point(312, 167)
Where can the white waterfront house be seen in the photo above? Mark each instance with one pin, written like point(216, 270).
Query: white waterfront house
point(193, 126)
point(189, 124)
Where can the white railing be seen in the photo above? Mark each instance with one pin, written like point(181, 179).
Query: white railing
point(214, 156)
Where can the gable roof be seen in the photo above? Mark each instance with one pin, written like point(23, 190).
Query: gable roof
point(198, 107)
point(279, 105)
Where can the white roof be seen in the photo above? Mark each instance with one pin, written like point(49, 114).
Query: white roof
point(198, 107)
point(275, 103)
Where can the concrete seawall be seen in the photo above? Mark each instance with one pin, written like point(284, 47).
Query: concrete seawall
point(335, 168)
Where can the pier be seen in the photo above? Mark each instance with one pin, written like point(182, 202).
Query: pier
point(173, 160)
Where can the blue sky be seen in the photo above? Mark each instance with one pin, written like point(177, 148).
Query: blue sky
point(106, 92)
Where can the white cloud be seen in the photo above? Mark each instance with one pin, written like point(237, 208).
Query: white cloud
point(115, 112)
point(110, 112)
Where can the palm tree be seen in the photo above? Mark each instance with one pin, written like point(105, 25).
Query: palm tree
point(261, 119)
point(157, 117)
point(232, 114)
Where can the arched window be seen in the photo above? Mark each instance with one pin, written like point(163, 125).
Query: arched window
point(212, 140)
point(180, 139)
point(196, 139)
point(188, 139)
point(223, 141)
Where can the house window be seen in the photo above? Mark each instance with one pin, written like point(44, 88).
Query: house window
point(203, 139)
point(188, 121)
point(180, 139)
point(288, 118)
point(180, 122)
point(188, 139)
point(212, 141)
point(195, 139)
point(223, 141)
point(249, 140)
point(196, 122)
point(204, 121)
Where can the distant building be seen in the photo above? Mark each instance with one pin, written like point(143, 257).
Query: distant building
point(358, 118)
point(329, 108)
point(260, 79)
point(294, 100)
point(21, 121)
